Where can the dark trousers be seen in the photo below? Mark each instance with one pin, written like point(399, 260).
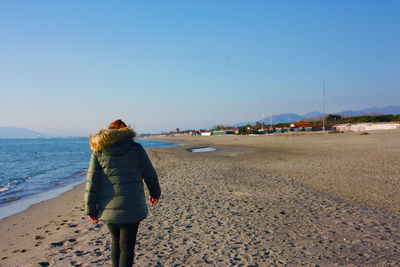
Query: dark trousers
point(123, 243)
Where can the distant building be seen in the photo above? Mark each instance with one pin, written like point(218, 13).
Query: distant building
point(300, 126)
point(232, 130)
point(206, 133)
point(225, 131)
point(362, 127)
point(182, 133)
point(194, 132)
point(252, 128)
point(219, 132)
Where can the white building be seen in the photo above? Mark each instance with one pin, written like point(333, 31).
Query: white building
point(362, 127)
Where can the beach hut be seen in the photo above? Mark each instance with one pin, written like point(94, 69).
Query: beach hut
point(362, 127)
point(205, 133)
point(194, 132)
point(219, 132)
point(285, 129)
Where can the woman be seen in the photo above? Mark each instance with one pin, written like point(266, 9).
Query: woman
point(114, 188)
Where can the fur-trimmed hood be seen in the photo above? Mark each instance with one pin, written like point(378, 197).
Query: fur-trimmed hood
point(105, 138)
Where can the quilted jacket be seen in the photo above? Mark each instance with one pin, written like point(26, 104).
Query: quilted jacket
point(114, 187)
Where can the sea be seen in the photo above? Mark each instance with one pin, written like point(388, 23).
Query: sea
point(35, 170)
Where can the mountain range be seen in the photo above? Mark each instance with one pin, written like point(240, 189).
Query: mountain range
point(17, 132)
point(292, 117)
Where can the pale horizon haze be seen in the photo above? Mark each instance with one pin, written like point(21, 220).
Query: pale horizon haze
point(162, 65)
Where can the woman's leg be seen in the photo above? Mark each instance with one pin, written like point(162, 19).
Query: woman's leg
point(115, 238)
point(127, 242)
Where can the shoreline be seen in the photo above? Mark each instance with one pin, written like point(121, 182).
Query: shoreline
point(19, 204)
point(273, 200)
point(22, 204)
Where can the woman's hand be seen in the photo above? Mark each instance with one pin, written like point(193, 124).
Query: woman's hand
point(153, 201)
point(94, 218)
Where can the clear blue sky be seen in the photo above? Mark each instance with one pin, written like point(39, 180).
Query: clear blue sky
point(160, 65)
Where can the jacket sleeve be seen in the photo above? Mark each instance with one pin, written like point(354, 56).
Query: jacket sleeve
point(149, 174)
point(92, 186)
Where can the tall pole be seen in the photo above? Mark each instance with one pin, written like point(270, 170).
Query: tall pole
point(323, 93)
point(262, 120)
point(271, 122)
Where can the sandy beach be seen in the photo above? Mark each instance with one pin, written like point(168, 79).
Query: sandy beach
point(327, 200)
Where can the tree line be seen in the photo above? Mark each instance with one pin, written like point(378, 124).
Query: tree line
point(337, 119)
point(315, 123)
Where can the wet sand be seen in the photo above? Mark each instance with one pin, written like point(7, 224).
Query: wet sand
point(283, 200)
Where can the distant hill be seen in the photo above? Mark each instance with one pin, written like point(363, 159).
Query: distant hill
point(312, 114)
point(16, 132)
point(395, 110)
point(282, 118)
point(291, 117)
point(63, 133)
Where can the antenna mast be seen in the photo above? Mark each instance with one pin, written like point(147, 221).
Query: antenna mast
point(271, 122)
point(323, 94)
point(262, 120)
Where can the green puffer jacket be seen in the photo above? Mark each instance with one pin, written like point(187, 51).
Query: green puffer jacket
point(114, 187)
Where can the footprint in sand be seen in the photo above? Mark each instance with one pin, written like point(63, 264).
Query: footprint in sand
point(57, 244)
point(78, 253)
point(97, 252)
point(74, 263)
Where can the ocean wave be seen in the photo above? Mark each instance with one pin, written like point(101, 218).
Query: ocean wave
point(34, 170)
point(4, 188)
point(10, 199)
